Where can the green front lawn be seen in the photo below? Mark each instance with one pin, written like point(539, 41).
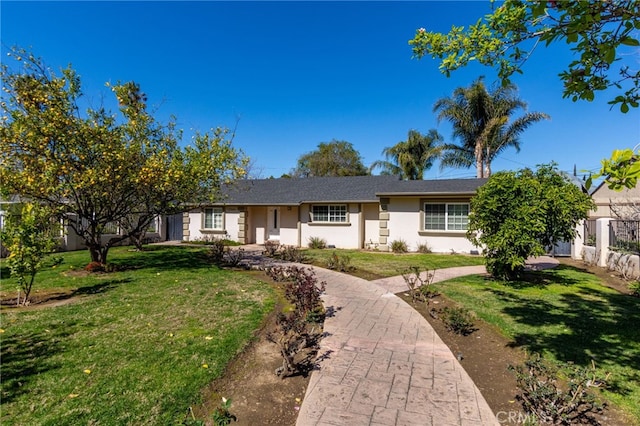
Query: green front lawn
point(567, 315)
point(381, 264)
point(134, 347)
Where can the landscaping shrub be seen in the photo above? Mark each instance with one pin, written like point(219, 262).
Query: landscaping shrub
point(424, 248)
point(216, 251)
point(340, 263)
point(271, 247)
point(291, 254)
point(296, 330)
point(317, 243)
point(399, 246)
point(234, 257)
point(458, 320)
point(557, 403)
point(419, 283)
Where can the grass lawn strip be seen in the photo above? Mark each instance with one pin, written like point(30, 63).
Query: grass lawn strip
point(137, 350)
point(567, 315)
point(382, 265)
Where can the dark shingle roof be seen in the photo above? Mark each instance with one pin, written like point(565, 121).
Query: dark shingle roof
point(294, 191)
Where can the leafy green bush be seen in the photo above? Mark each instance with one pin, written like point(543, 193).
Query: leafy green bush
point(458, 320)
point(399, 246)
point(317, 243)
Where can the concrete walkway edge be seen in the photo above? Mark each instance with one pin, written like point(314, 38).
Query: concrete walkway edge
point(382, 363)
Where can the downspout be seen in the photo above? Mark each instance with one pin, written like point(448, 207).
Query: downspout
point(361, 230)
point(299, 227)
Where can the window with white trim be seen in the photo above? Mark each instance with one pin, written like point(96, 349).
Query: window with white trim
point(446, 217)
point(213, 218)
point(332, 213)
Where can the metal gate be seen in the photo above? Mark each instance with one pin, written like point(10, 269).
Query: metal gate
point(174, 227)
point(561, 248)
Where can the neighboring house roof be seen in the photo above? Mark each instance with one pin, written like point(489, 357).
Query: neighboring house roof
point(354, 189)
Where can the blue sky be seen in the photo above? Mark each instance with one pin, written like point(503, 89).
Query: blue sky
point(299, 73)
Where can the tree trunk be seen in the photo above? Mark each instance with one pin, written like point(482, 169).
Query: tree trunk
point(487, 170)
point(98, 254)
point(479, 162)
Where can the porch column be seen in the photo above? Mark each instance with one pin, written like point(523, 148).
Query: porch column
point(578, 241)
point(602, 241)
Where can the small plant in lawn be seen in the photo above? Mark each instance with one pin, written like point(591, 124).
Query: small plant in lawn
point(291, 254)
point(317, 243)
point(217, 249)
point(423, 248)
point(372, 246)
point(29, 237)
point(340, 263)
point(234, 257)
point(399, 246)
point(222, 415)
point(295, 330)
point(419, 283)
point(551, 402)
point(271, 247)
point(458, 320)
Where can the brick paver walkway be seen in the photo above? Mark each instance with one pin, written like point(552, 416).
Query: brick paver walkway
point(383, 364)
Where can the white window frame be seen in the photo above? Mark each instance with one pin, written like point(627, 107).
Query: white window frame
point(335, 213)
point(214, 212)
point(450, 219)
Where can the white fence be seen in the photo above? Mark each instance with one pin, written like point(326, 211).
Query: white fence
point(599, 252)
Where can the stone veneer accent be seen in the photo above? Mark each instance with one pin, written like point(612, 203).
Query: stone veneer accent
point(242, 226)
point(383, 223)
point(186, 220)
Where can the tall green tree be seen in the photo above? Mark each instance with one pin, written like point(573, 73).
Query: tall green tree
point(516, 215)
point(482, 122)
point(602, 34)
point(596, 31)
point(411, 158)
point(97, 169)
point(335, 158)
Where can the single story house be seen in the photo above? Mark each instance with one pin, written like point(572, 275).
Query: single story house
point(348, 212)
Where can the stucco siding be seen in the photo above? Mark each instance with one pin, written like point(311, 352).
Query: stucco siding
point(342, 235)
point(289, 226)
point(257, 224)
point(371, 213)
point(405, 224)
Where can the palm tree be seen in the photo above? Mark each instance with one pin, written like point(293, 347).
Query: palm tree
point(409, 159)
point(481, 121)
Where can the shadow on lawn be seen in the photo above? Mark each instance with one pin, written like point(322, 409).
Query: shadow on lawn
point(25, 356)
point(598, 325)
point(162, 258)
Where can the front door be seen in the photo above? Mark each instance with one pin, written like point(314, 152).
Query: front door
point(273, 223)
